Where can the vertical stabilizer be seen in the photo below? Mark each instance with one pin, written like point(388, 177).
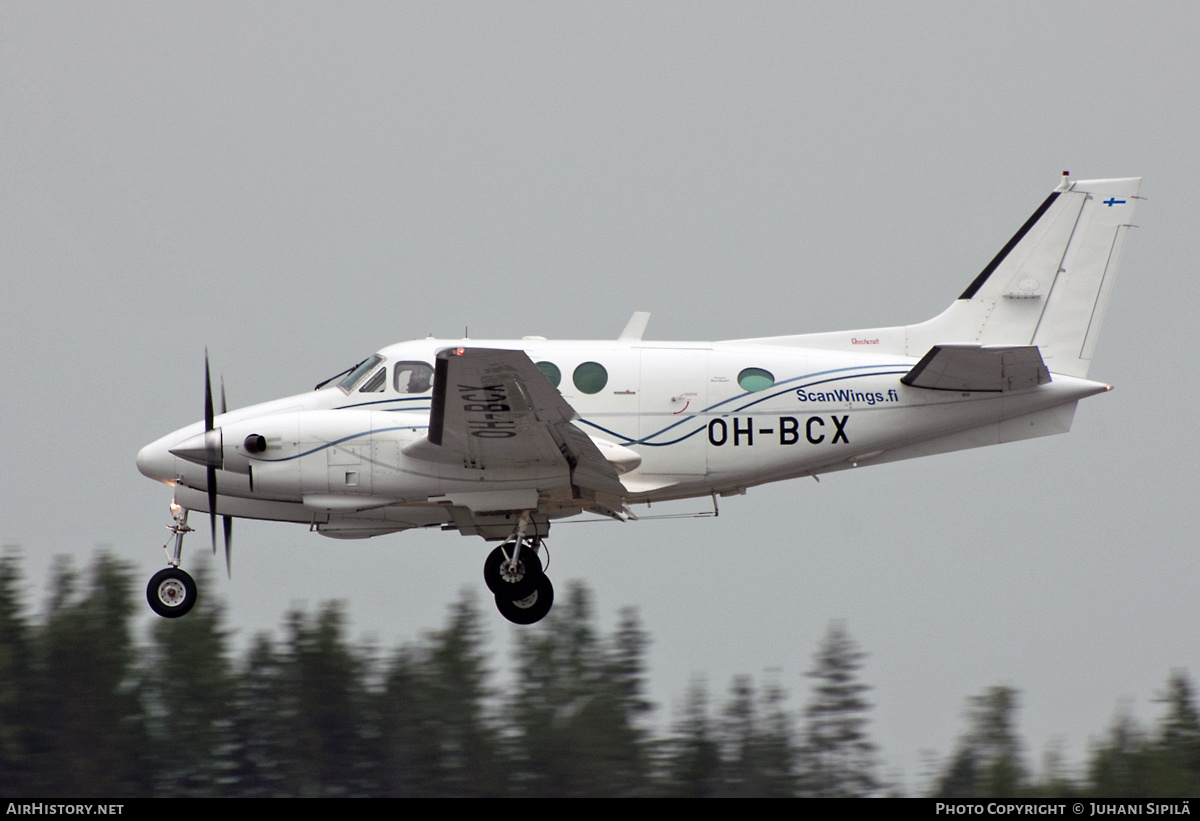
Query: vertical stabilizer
point(1049, 285)
point(1070, 324)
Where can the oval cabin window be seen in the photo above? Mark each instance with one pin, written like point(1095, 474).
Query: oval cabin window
point(755, 379)
point(590, 377)
point(551, 372)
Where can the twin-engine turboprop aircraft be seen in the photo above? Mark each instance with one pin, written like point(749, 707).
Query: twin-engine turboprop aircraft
point(499, 438)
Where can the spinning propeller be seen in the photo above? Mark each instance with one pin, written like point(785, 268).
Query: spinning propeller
point(208, 449)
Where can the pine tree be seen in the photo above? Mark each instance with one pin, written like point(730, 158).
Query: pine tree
point(438, 738)
point(90, 701)
point(576, 707)
point(622, 705)
point(988, 760)
point(264, 711)
point(739, 722)
point(838, 759)
point(327, 704)
point(776, 755)
point(1176, 751)
point(1054, 781)
point(19, 736)
point(692, 760)
point(190, 699)
point(757, 751)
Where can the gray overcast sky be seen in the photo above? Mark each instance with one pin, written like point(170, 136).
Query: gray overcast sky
point(295, 185)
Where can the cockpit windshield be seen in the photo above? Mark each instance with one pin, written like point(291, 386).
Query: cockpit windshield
point(353, 375)
point(360, 370)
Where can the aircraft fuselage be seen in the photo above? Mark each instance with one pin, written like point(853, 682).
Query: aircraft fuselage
point(679, 407)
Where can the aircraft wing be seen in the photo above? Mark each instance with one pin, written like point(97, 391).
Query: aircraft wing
point(492, 408)
point(979, 368)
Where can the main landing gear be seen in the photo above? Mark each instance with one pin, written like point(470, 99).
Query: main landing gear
point(513, 572)
point(172, 592)
point(532, 608)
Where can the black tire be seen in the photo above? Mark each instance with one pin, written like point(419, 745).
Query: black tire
point(515, 585)
point(530, 609)
point(171, 593)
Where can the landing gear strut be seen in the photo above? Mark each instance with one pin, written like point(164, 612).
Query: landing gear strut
point(172, 592)
point(513, 572)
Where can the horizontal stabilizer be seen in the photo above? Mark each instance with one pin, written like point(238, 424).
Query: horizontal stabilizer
point(991, 368)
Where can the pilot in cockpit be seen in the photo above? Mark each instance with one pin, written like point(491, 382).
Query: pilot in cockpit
point(419, 376)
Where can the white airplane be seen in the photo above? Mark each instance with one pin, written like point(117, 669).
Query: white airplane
point(500, 438)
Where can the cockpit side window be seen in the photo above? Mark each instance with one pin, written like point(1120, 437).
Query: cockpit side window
point(375, 383)
point(413, 377)
point(358, 372)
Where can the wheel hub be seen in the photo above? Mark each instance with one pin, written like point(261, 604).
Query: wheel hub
point(172, 592)
point(512, 572)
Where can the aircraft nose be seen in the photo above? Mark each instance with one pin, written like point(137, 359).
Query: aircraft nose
point(156, 462)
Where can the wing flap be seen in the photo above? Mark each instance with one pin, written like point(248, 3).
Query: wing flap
point(989, 368)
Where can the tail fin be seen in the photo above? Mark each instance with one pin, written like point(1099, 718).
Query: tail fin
point(1050, 284)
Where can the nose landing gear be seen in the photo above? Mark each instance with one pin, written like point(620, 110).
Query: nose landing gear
point(172, 592)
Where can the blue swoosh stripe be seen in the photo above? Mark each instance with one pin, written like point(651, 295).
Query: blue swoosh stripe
point(386, 402)
point(625, 439)
point(691, 417)
point(358, 435)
